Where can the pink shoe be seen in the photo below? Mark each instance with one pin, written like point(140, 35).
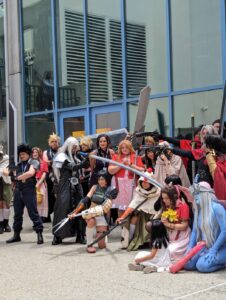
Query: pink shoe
point(91, 250)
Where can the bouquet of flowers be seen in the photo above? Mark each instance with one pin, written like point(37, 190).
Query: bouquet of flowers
point(171, 215)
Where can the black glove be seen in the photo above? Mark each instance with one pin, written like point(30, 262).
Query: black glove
point(83, 164)
point(111, 193)
point(86, 201)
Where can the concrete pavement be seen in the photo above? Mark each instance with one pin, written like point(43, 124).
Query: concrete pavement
point(39, 272)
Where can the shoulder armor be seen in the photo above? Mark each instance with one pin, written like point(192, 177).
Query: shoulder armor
point(59, 159)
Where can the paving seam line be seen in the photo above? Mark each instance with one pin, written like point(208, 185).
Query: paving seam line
point(200, 291)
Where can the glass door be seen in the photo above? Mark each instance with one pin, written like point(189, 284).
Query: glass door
point(73, 123)
point(107, 118)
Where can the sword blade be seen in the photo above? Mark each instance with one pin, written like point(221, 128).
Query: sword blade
point(110, 161)
point(61, 225)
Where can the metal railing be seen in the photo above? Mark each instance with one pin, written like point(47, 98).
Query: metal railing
point(40, 98)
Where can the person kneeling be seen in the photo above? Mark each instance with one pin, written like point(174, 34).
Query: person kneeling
point(99, 200)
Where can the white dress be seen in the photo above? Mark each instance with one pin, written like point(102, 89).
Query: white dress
point(161, 260)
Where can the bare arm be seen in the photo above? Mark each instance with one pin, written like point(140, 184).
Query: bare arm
point(148, 257)
point(91, 191)
point(30, 173)
point(113, 169)
point(181, 227)
point(40, 181)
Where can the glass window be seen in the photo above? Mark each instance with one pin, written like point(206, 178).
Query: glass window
point(108, 122)
point(38, 129)
point(3, 130)
point(206, 107)
point(39, 86)
point(146, 46)
point(105, 53)
point(157, 117)
point(196, 43)
point(74, 127)
point(71, 53)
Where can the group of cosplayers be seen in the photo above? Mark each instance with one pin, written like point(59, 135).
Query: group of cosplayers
point(159, 202)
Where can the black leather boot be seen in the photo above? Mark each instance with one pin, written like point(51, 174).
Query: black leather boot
point(80, 239)
point(81, 229)
point(40, 238)
point(7, 228)
point(56, 240)
point(15, 238)
point(1, 227)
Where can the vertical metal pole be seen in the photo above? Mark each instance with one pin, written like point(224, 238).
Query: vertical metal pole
point(20, 3)
point(223, 38)
point(124, 64)
point(86, 42)
point(55, 71)
point(6, 70)
point(169, 65)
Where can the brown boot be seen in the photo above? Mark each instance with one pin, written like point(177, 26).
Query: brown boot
point(135, 267)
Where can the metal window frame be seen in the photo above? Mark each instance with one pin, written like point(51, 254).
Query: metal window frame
point(170, 93)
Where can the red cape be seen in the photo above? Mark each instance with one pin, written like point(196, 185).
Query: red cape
point(198, 154)
point(219, 184)
point(186, 145)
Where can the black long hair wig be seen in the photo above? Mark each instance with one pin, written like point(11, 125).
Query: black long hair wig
point(158, 234)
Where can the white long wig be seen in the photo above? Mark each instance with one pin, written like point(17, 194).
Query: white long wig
point(65, 152)
point(67, 148)
point(210, 131)
point(205, 222)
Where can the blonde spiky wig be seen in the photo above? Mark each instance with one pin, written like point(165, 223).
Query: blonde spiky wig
point(86, 141)
point(53, 137)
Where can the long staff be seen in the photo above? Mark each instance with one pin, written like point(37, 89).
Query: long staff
point(116, 225)
point(149, 179)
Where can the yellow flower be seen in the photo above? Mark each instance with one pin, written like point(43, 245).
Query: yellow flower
point(171, 215)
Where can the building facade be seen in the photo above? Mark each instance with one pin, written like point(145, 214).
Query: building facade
point(77, 66)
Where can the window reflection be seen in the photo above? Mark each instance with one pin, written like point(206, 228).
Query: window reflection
point(71, 53)
point(3, 130)
point(196, 43)
point(38, 129)
point(157, 117)
point(146, 46)
point(39, 87)
point(206, 107)
point(105, 51)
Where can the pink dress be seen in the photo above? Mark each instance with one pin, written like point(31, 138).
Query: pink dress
point(125, 187)
point(125, 182)
point(179, 239)
point(43, 207)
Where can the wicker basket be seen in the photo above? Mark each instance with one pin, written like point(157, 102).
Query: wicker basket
point(39, 196)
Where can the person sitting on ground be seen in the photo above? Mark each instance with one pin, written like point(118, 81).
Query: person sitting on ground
point(210, 226)
point(158, 259)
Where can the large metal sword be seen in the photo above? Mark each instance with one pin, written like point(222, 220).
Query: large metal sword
point(149, 179)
